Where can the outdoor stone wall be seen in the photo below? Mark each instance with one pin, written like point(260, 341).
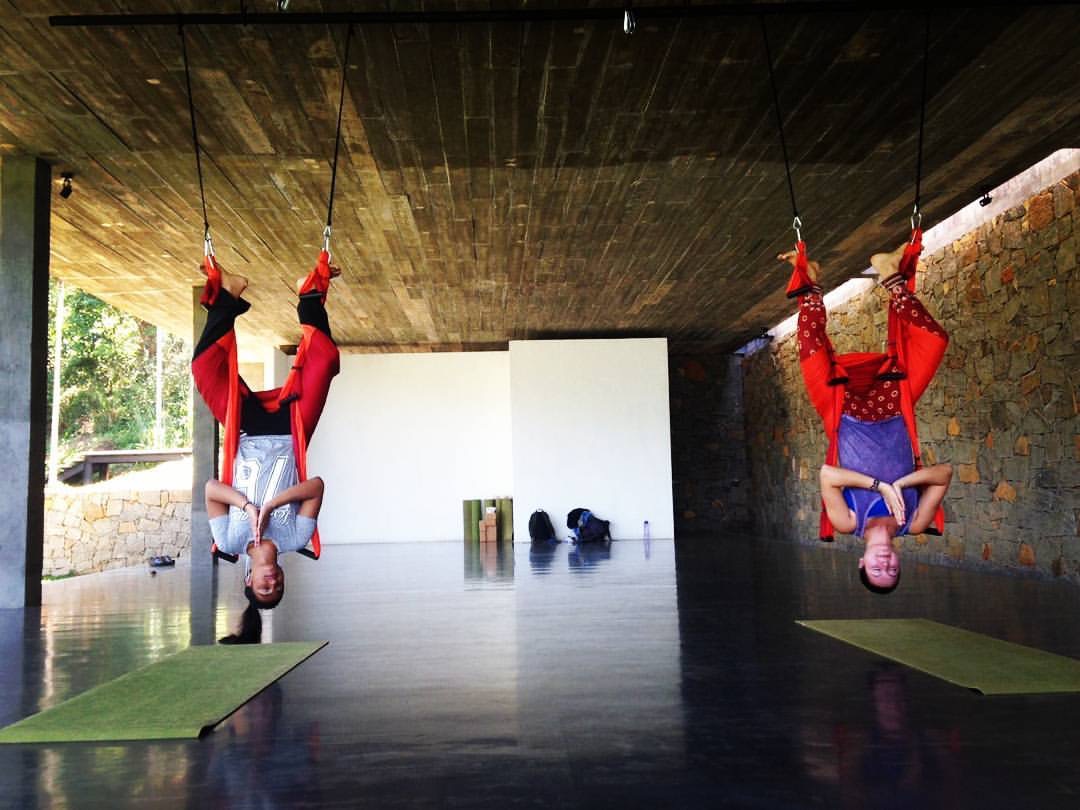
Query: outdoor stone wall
point(88, 530)
point(1003, 408)
point(708, 449)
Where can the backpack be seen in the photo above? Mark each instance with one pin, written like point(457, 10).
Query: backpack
point(540, 528)
point(587, 527)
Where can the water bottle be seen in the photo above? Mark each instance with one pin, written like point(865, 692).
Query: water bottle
point(645, 531)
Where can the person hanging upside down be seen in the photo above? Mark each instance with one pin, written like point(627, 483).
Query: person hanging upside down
point(265, 505)
point(872, 484)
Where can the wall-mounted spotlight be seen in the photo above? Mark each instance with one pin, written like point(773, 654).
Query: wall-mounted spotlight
point(985, 199)
point(65, 185)
point(629, 20)
point(282, 5)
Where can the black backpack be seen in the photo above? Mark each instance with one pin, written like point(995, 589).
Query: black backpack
point(540, 528)
point(587, 527)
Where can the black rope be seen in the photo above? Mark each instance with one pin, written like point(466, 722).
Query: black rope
point(194, 132)
point(779, 118)
point(337, 136)
point(922, 112)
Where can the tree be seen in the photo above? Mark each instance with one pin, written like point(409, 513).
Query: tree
point(108, 379)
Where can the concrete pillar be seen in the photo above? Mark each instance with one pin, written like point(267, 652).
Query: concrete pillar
point(204, 463)
point(25, 187)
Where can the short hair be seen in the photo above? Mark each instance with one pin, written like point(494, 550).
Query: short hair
point(878, 589)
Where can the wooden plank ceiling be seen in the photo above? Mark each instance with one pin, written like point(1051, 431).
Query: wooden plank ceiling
point(505, 181)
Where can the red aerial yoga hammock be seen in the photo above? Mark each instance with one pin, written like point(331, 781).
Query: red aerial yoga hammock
point(912, 358)
point(913, 355)
point(315, 346)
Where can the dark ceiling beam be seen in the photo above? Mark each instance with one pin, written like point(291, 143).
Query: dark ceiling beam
point(612, 13)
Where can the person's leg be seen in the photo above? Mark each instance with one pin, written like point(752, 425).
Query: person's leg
point(816, 356)
point(210, 360)
point(321, 360)
point(919, 340)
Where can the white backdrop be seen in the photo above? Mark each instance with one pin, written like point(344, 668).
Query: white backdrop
point(405, 438)
point(592, 429)
point(554, 424)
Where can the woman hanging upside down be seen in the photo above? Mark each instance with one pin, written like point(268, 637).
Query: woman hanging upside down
point(873, 485)
point(266, 505)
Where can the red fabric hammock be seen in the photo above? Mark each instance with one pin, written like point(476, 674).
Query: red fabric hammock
point(912, 358)
point(314, 345)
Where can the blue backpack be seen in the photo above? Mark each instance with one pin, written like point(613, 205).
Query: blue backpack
point(587, 527)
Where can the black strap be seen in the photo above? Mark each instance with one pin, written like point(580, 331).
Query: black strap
point(922, 112)
point(779, 118)
point(337, 136)
point(194, 133)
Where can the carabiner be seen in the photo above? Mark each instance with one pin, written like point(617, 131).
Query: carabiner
point(797, 225)
point(326, 239)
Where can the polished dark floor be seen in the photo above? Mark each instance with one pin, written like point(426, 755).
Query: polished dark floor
point(642, 676)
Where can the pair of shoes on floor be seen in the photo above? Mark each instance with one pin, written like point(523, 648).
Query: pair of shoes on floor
point(164, 561)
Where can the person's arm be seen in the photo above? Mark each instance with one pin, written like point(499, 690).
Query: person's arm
point(933, 483)
point(833, 482)
point(308, 494)
point(220, 496)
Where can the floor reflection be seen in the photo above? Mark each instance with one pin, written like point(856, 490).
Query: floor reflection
point(489, 562)
point(254, 760)
point(624, 675)
point(887, 757)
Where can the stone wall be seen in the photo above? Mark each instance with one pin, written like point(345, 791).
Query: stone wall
point(89, 529)
point(708, 452)
point(1003, 408)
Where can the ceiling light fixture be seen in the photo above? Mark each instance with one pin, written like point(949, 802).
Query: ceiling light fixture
point(65, 185)
point(629, 20)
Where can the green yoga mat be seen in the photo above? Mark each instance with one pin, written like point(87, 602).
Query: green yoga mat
point(987, 665)
point(471, 510)
point(177, 698)
point(505, 507)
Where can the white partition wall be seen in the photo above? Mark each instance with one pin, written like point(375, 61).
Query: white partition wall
point(405, 438)
point(554, 424)
point(592, 428)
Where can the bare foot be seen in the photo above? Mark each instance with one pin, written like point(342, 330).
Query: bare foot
point(233, 284)
point(813, 269)
point(887, 264)
point(334, 273)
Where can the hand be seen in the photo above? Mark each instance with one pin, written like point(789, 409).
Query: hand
point(334, 271)
point(894, 500)
point(264, 518)
point(252, 511)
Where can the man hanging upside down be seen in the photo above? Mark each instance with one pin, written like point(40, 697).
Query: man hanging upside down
point(266, 505)
point(872, 485)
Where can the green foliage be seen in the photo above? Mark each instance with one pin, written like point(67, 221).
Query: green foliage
point(107, 399)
